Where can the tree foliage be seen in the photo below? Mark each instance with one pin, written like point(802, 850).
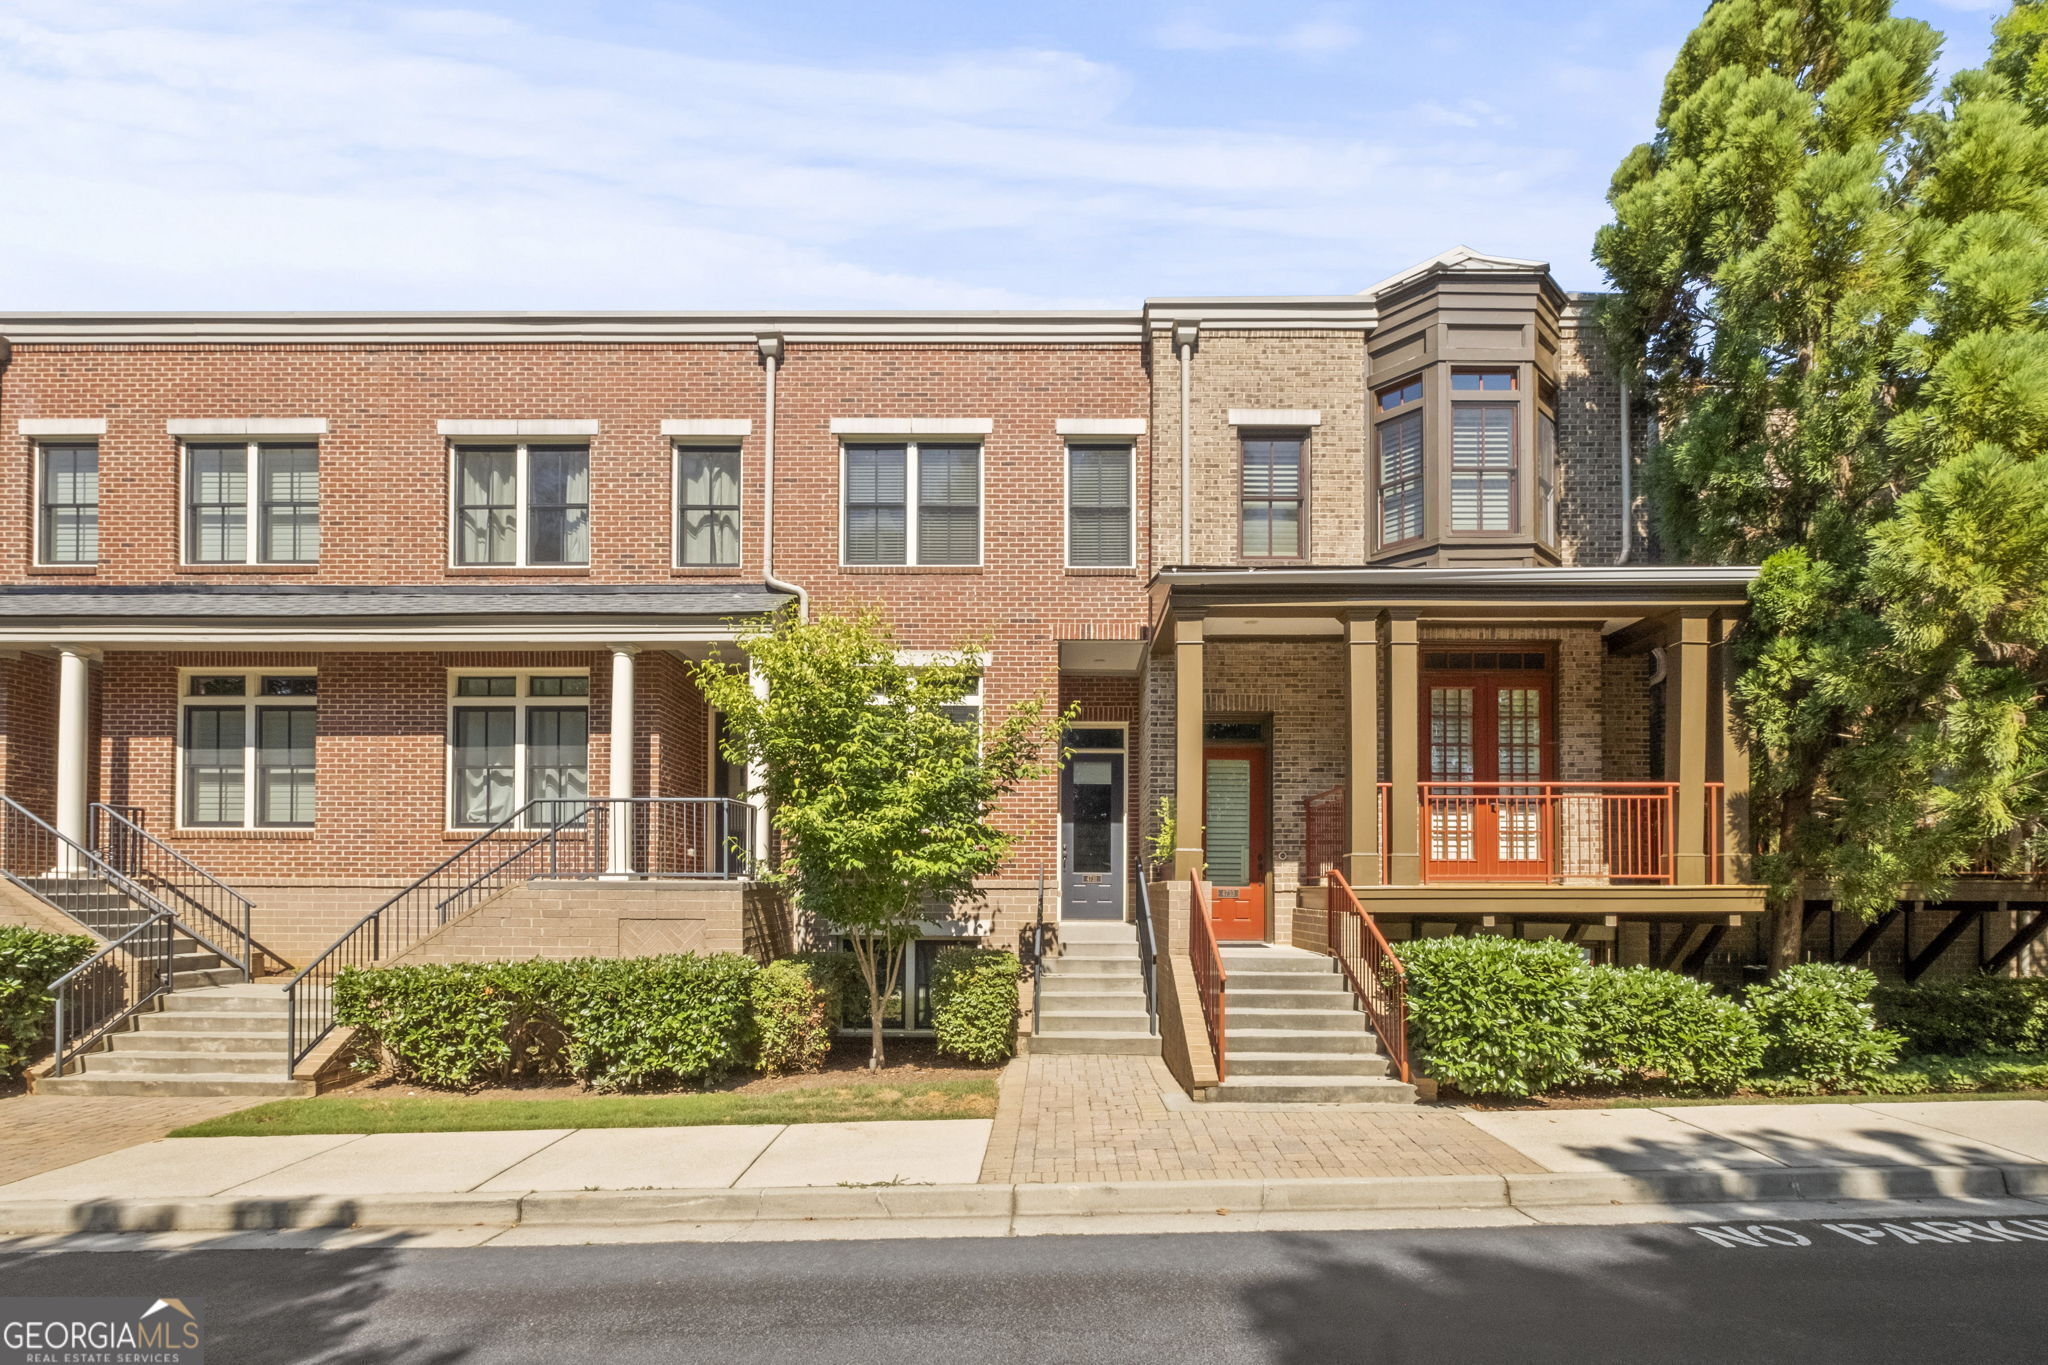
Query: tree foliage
point(1837, 283)
point(883, 800)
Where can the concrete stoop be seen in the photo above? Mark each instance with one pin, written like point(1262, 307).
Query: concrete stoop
point(206, 1040)
point(1091, 998)
point(1294, 1034)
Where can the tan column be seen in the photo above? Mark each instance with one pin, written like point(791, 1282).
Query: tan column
point(1734, 756)
point(1188, 771)
point(1362, 773)
point(1404, 757)
point(1687, 719)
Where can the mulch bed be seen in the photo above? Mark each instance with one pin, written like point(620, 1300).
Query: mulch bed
point(909, 1059)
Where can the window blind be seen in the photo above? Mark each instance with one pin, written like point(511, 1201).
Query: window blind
point(288, 479)
point(1099, 531)
point(1482, 466)
point(558, 494)
point(214, 736)
point(876, 495)
point(284, 765)
point(1400, 443)
point(948, 504)
point(217, 491)
point(1272, 497)
point(488, 511)
point(71, 505)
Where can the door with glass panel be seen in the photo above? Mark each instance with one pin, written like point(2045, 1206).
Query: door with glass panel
point(1235, 835)
point(1093, 860)
point(1486, 742)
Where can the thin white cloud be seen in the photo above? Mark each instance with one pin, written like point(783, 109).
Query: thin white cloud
point(1327, 31)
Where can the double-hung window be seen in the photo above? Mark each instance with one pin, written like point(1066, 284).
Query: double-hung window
point(1273, 490)
point(522, 505)
point(68, 504)
point(708, 506)
point(252, 503)
point(912, 503)
point(516, 738)
point(1100, 495)
point(246, 749)
point(1398, 448)
point(1483, 453)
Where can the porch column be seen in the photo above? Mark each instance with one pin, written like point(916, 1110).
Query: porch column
point(1686, 721)
point(1362, 775)
point(1404, 758)
point(619, 830)
point(74, 736)
point(1734, 757)
point(1189, 795)
point(757, 785)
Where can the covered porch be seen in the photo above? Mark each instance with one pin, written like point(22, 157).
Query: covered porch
point(1547, 751)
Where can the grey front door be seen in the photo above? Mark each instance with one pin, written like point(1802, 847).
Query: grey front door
point(1092, 856)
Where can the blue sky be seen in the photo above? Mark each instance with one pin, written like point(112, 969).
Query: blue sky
point(878, 153)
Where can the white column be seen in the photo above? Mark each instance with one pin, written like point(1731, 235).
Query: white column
point(74, 731)
point(619, 856)
point(757, 786)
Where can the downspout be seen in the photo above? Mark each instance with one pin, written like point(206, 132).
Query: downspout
point(1184, 334)
point(771, 360)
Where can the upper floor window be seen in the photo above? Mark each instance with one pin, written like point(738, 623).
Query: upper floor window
point(1546, 460)
point(68, 504)
point(515, 738)
point(708, 506)
point(1273, 488)
point(252, 503)
point(912, 503)
point(1483, 466)
point(1099, 501)
point(246, 749)
point(522, 505)
point(1401, 395)
point(1486, 381)
point(1399, 441)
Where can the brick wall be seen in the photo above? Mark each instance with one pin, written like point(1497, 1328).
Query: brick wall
point(28, 732)
point(570, 919)
point(1589, 447)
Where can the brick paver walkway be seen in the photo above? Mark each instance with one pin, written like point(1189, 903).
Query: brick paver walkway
point(42, 1132)
point(1107, 1118)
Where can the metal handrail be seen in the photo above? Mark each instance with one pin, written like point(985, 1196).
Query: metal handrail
point(582, 827)
point(1038, 957)
point(98, 990)
point(123, 843)
point(1372, 968)
point(1211, 981)
point(1148, 951)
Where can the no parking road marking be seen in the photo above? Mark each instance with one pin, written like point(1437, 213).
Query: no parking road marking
point(1937, 1230)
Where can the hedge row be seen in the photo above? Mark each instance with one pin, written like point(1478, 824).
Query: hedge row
point(635, 1023)
point(1514, 1017)
point(30, 959)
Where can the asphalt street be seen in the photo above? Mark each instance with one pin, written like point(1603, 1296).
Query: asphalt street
point(1791, 1291)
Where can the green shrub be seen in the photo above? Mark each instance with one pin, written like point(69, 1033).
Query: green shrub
point(1929, 1076)
point(1644, 1025)
point(1982, 1014)
point(1497, 1016)
point(1818, 1025)
point(838, 975)
point(30, 959)
point(974, 1002)
point(613, 1023)
point(791, 1029)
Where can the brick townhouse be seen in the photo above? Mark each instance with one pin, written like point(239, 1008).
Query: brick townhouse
point(311, 604)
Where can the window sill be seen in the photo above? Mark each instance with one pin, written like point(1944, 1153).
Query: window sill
point(64, 570)
point(911, 568)
point(208, 832)
point(520, 571)
point(507, 836)
point(1092, 571)
point(249, 568)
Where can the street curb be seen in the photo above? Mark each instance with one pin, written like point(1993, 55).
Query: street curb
point(1548, 1189)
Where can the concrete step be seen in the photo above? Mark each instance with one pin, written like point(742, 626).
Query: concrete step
point(1096, 1021)
point(201, 980)
point(1139, 1044)
point(1304, 997)
point(1108, 992)
point(236, 997)
point(152, 1039)
point(1112, 952)
point(1286, 981)
point(1097, 931)
point(1323, 1020)
point(1091, 966)
point(218, 1021)
point(167, 1063)
point(1299, 1040)
point(190, 1084)
point(1311, 1090)
point(1306, 1063)
point(1275, 960)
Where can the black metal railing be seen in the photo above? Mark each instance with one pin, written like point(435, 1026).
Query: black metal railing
point(627, 838)
point(1148, 950)
point(119, 840)
point(103, 992)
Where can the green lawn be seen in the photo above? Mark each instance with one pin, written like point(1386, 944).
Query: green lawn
point(966, 1099)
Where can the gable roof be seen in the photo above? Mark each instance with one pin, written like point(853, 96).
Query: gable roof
point(1459, 259)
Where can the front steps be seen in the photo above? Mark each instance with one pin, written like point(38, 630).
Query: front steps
point(94, 903)
point(1091, 998)
point(212, 1040)
point(1295, 1035)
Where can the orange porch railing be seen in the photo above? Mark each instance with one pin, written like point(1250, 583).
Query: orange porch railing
point(1211, 981)
point(1375, 974)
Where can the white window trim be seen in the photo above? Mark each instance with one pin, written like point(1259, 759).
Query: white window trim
point(519, 702)
point(252, 500)
point(250, 700)
point(522, 510)
point(1059, 831)
point(39, 548)
point(911, 447)
point(1067, 501)
point(678, 447)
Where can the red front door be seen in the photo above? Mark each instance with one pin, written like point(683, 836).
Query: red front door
point(1235, 837)
point(1486, 743)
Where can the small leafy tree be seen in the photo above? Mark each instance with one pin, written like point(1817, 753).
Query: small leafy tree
point(883, 799)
